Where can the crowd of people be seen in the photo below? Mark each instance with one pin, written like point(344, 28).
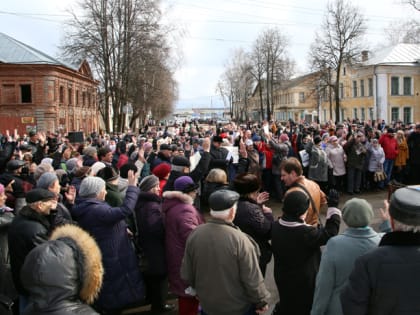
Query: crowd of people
point(120, 220)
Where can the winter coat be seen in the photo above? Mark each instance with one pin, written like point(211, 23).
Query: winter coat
point(413, 142)
point(123, 283)
point(297, 254)
point(318, 163)
point(157, 159)
point(151, 232)
point(6, 283)
point(253, 221)
point(181, 218)
point(220, 262)
point(403, 154)
point(386, 280)
point(28, 229)
point(390, 145)
point(336, 265)
point(218, 158)
point(337, 159)
point(356, 154)
point(113, 195)
point(376, 159)
point(63, 275)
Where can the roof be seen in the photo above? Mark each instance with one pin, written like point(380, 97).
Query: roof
point(15, 52)
point(401, 54)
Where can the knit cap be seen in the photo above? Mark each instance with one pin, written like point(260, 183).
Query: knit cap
point(357, 212)
point(185, 184)
point(148, 183)
point(284, 137)
point(162, 170)
point(91, 186)
point(46, 180)
point(71, 164)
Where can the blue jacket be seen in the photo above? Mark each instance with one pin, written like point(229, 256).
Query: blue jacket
point(123, 283)
point(336, 265)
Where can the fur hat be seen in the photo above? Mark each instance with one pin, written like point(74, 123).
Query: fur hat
point(46, 180)
point(404, 206)
point(162, 170)
point(246, 183)
point(185, 184)
point(108, 174)
point(164, 146)
point(295, 203)
point(148, 183)
point(180, 161)
point(357, 212)
point(127, 167)
point(91, 186)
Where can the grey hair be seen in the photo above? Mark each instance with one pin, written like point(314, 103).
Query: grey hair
point(223, 214)
point(399, 226)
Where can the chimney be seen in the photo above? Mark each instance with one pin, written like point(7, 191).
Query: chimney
point(365, 55)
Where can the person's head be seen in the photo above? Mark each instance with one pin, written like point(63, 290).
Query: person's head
point(41, 169)
point(375, 142)
point(105, 154)
point(150, 184)
point(217, 141)
point(162, 170)
point(186, 185)
point(15, 166)
point(90, 152)
point(357, 213)
point(247, 185)
point(291, 170)
point(41, 200)
point(223, 204)
point(404, 209)
point(77, 263)
point(180, 164)
point(165, 150)
point(49, 181)
point(284, 137)
point(417, 128)
point(109, 174)
point(217, 175)
point(127, 167)
point(400, 135)
point(249, 144)
point(93, 187)
point(333, 141)
point(295, 205)
point(96, 167)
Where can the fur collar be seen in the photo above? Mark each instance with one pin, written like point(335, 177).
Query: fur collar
point(92, 260)
point(184, 198)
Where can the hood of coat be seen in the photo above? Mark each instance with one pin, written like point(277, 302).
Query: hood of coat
point(173, 198)
point(66, 268)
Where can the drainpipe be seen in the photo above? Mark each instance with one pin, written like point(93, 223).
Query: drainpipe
point(376, 92)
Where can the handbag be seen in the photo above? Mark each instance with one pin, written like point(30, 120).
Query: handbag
point(379, 176)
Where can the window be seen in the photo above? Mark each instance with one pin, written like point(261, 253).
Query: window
point(83, 99)
point(362, 87)
point(61, 95)
point(341, 93)
point(407, 115)
point(342, 114)
point(77, 97)
point(371, 113)
point(370, 87)
point(344, 70)
point(354, 88)
point(70, 91)
point(362, 114)
point(407, 86)
point(26, 93)
point(395, 114)
point(355, 113)
point(395, 85)
point(8, 94)
point(301, 96)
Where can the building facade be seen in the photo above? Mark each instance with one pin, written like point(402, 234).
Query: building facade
point(38, 92)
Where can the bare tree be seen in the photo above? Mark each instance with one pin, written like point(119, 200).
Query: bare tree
point(337, 43)
point(414, 3)
point(407, 32)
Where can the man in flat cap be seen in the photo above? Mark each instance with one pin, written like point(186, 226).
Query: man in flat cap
point(413, 142)
point(29, 228)
point(221, 263)
point(387, 279)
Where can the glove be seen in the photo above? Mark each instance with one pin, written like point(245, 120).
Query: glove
point(333, 198)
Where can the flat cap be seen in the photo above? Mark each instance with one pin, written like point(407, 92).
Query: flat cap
point(405, 205)
point(14, 165)
point(181, 161)
point(223, 199)
point(39, 194)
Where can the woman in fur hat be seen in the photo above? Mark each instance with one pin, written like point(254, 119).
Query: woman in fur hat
point(63, 275)
point(252, 216)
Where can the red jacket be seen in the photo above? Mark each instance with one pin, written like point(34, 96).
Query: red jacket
point(390, 145)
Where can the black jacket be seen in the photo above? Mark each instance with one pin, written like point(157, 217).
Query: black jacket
point(64, 274)
point(28, 230)
point(387, 279)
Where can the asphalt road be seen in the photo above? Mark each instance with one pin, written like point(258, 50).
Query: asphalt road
point(375, 198)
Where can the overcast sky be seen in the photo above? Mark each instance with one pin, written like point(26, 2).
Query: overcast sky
point(212, 31)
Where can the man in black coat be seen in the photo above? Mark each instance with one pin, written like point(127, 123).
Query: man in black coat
point(387, 279)
point(29, 228)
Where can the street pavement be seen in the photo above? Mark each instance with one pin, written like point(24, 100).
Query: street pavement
point(376, 199)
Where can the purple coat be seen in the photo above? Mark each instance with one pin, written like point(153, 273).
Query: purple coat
point(122, 283)
point(181, 218)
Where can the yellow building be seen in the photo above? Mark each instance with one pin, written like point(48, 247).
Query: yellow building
point(385, 85)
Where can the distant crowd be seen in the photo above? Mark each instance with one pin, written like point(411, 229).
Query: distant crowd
point(119, 220)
